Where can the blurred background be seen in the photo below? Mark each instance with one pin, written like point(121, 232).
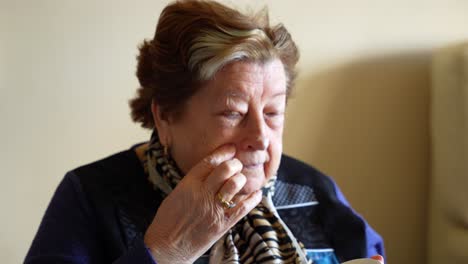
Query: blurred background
point(360, 111)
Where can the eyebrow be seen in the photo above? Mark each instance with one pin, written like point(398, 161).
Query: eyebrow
point(244, 97)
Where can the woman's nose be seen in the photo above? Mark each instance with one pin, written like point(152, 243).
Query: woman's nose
point(259, 143)
point(255, 134)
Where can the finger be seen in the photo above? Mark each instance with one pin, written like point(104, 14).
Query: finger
point(222, 173)
point(209, 163)
point(231, 187)
point(379, 258)
point(243, 207)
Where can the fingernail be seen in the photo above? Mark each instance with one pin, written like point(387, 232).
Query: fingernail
point(231, 147)
point(378, 257)
point(222, 154)
point(238, 161)
point(229, 151)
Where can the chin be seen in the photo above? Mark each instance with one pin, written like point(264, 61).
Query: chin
point(252, 184)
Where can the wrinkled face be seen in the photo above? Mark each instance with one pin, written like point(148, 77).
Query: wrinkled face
point(242, 105)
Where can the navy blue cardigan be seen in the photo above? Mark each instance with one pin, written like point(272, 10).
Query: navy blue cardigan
point(99, 214)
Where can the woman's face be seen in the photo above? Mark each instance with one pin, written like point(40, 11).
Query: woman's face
point(242, 105)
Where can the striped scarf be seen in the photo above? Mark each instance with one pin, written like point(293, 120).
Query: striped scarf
point(260, 237)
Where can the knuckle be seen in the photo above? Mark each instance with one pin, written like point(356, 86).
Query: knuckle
point(236, 183)
point(231, 185)
point(234, 165)
point(242, 178)
point(228, 168)
point(225, 166)
point(243, 209)
point(208, 162)
point(237, 163)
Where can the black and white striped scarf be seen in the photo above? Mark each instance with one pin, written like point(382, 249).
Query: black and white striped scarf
point(260, 237)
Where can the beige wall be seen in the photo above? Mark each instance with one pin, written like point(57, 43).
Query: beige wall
point(360, 112)
point(449, 196)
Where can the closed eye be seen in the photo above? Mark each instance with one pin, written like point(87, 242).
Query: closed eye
point(274, 114)
point(232, 115)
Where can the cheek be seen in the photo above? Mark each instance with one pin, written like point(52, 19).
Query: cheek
point(213, 138)
point(274, 151)
point(191, 148)
point(218, 136)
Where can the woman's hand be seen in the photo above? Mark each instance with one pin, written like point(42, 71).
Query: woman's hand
point(191, 218)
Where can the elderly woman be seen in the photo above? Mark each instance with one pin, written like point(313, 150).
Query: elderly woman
point(211, 185)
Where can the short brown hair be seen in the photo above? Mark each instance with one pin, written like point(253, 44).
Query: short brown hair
point(193, 40)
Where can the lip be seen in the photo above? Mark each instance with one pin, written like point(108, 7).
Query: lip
point(253, 166)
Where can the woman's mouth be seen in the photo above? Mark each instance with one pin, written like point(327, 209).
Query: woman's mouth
point(253, 166)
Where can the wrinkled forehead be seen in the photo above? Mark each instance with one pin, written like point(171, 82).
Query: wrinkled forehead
point(252, 67)
point(242, 78)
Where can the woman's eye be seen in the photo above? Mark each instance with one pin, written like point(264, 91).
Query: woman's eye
point(232, 114)
point(273, 114)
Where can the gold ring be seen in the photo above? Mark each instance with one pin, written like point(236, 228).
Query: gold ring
point(226, 204)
